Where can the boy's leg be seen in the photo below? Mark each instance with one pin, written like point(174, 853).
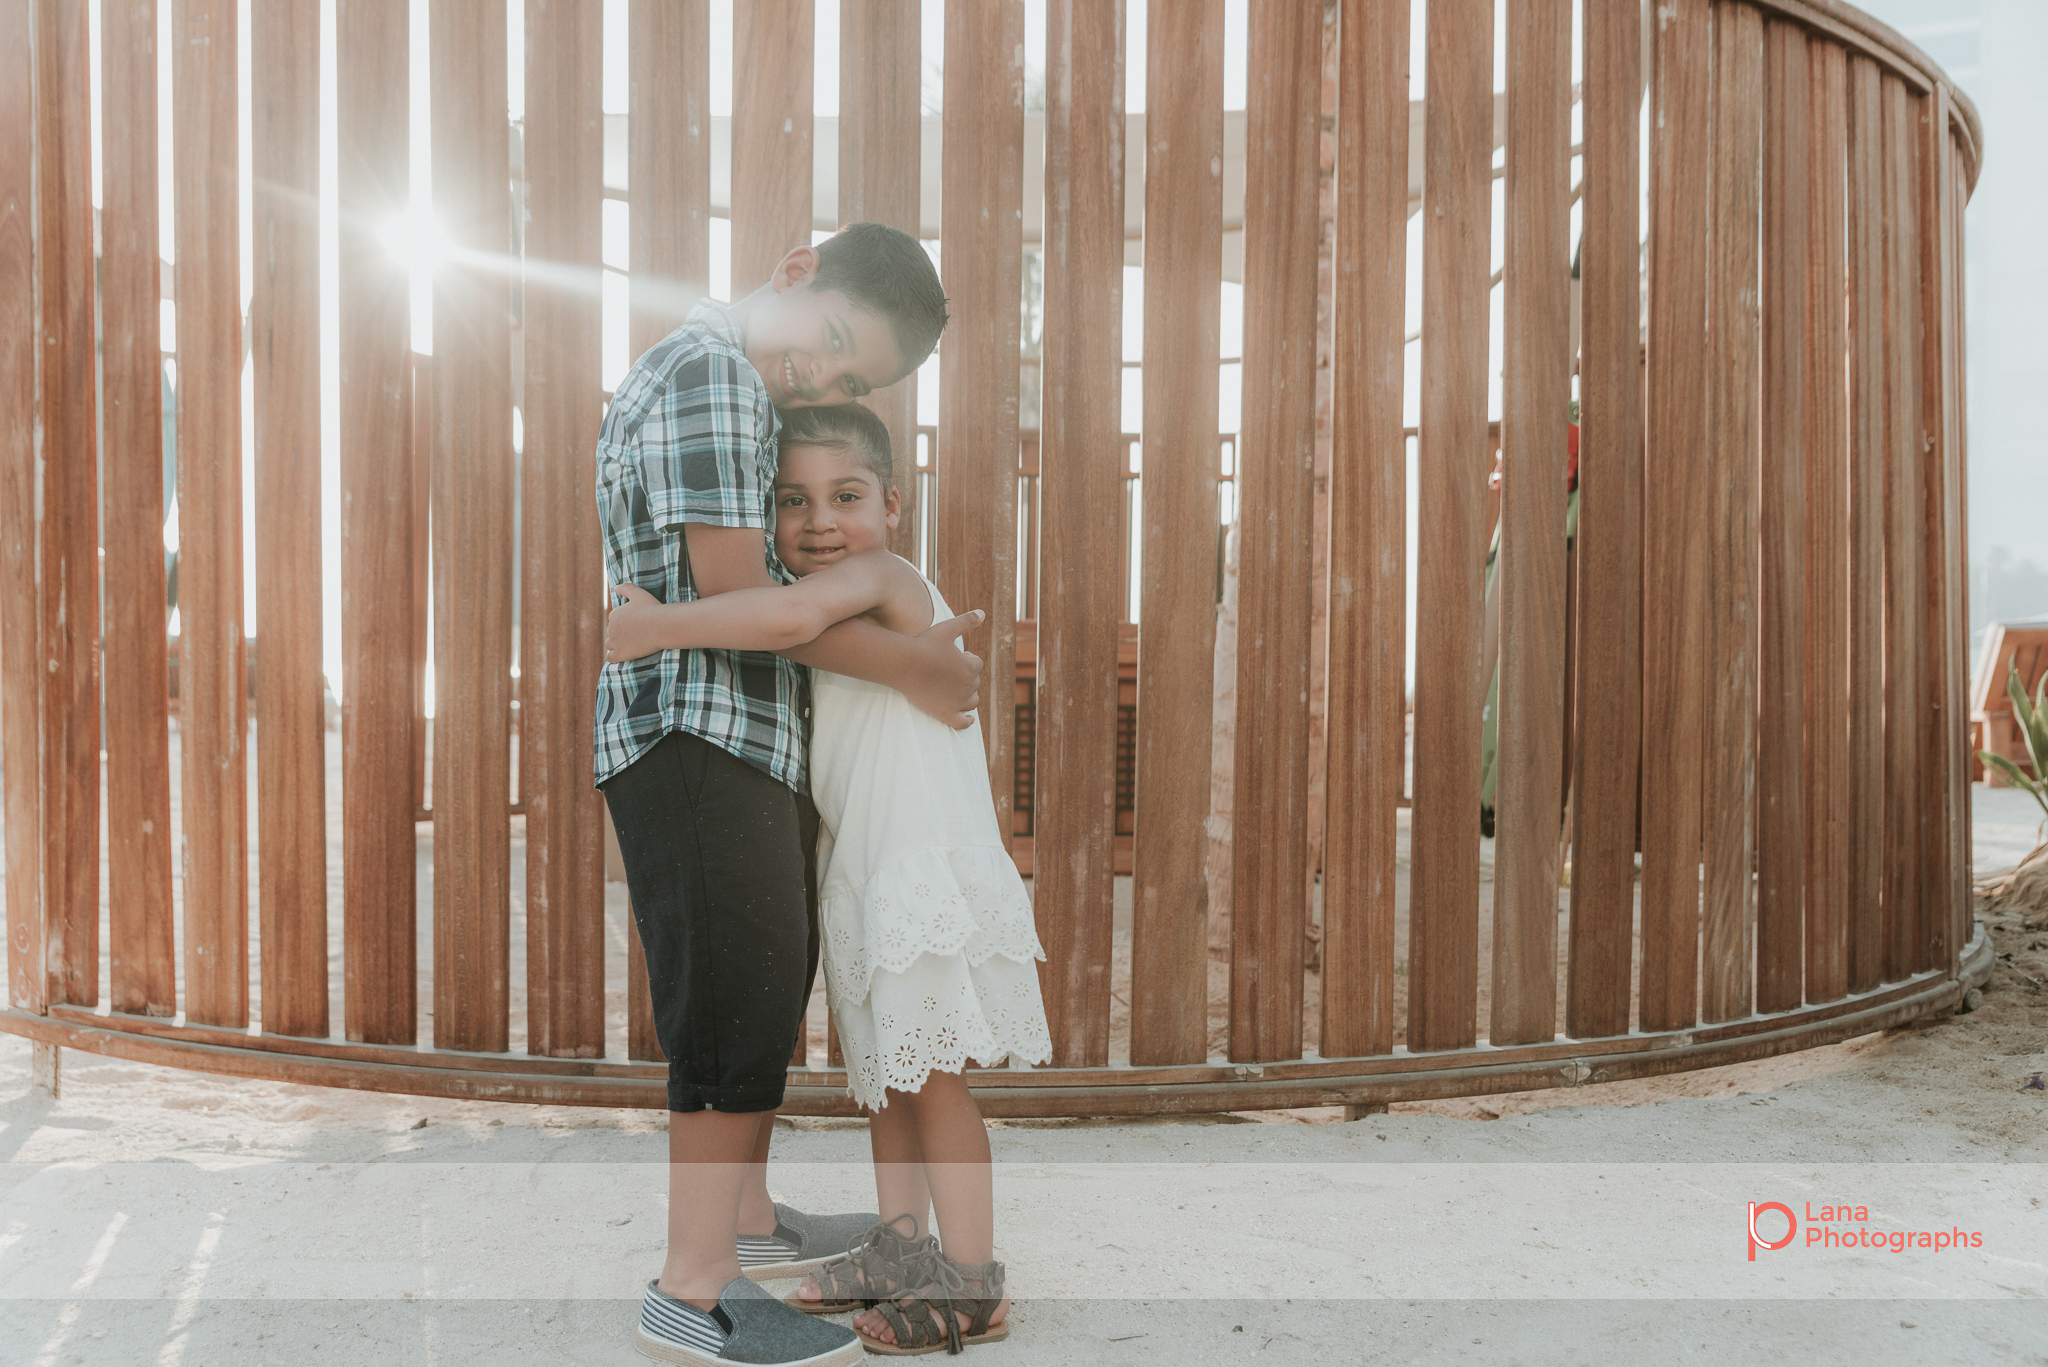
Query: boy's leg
point(757, 1215)
point(715, 869)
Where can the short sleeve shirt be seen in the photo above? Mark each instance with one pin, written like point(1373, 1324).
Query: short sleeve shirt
point(691, 437)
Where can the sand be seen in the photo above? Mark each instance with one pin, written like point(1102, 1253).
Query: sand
point(150, 1215)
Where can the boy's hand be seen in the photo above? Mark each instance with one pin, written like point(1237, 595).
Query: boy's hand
point(628, 627)
point(949, 688)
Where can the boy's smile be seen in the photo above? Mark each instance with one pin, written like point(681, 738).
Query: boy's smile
point(828, 506)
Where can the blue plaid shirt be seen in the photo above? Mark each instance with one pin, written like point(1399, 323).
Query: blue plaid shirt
point(690, 437)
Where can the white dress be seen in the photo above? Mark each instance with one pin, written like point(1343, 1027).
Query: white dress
point(929, 944)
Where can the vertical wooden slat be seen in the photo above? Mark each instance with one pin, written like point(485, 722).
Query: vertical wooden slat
point(139, 909)
point(68, 458)
point(472, 530)
point(771, 137)
point(284, 340)
point(668, 129)
point(1729, 816)
point(668, 163)
point(22, 671)
point(1906, 811)
point(982, 245)
point(1780, 836)
point(1956, 925)
point(380, 660)
point(212, 699)
point(1608, 678)
point(1535, 398)
point(1674, 533)
point(1949, 892)
point(1081, 495)
point(879, 103)
point(561, 619)
point(1368, 530)
point(1276, 472)
point(1866, 202)
point(1443, 919)
point(1931, 134)
point(1827, 535)
point(1177, 616)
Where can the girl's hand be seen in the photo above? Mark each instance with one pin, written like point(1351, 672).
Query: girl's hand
point(628, 627)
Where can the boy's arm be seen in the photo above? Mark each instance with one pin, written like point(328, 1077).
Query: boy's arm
point(929, 669)
point(776, 618)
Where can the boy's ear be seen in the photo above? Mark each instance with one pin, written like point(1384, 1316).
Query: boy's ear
point(795, 270)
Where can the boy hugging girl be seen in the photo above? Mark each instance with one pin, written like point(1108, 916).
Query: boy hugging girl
point(786, 707)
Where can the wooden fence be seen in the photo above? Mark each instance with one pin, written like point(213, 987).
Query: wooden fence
point(1766, 667)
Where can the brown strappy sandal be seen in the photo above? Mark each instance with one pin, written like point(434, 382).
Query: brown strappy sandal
point(881, 1265)
point(928, 1318)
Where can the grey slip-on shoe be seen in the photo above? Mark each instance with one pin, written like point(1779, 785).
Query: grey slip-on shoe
point(749, 1326)
point(801, 1243)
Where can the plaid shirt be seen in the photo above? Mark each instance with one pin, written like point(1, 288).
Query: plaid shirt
point(690, 437)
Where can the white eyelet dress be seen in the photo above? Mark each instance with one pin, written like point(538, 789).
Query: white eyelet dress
point(929, 944)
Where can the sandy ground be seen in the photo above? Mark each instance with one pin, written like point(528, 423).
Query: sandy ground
point(155, 1216)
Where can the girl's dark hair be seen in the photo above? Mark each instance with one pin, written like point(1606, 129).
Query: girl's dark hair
point(883, 270)
point(847, 428)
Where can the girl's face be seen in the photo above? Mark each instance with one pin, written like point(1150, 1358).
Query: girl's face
point(828, 506)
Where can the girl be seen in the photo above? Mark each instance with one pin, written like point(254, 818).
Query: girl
point(928, 936)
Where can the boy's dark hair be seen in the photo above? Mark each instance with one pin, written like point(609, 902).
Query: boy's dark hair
point(883, 270)
point(848, 428)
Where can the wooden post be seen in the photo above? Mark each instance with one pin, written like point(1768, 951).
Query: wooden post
point(561, 619)
point(1865, 719)
point(1368, 531)
point(1177, 620)
point(1674, 533)
point(1827, 529)
point(668, 130)
point(1781, 801)
point(880, 83)
point(1948, 896)
point(1535, 399)
point(1081, 494)
point(472, 531)
point(23, 673)
point(68, 492)
point(771, 137)
point(982, 245)
point(1608, 679)
point(291, 711)
point(139, 905)
point(1275, 477)
point(1729, 820)
point(212, 694)
point(1443, 935)
point(381, 660)
point(1906, 812)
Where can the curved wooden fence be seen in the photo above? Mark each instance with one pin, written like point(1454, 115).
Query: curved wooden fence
point(1730, 708)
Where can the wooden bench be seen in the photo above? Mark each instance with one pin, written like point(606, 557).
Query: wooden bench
point(1991, 721)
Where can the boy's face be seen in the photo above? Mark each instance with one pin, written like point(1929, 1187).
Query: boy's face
point(814, 347)
point(828, 506)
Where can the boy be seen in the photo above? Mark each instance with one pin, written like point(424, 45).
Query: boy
point(701, 758)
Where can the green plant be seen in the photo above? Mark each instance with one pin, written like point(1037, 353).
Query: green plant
point(2032, 717)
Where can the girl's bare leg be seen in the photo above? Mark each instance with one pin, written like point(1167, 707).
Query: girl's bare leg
point(954, 1143)
point(899, 1175)
point(900, 1187)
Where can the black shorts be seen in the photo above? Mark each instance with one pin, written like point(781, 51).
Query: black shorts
point(718, 862)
